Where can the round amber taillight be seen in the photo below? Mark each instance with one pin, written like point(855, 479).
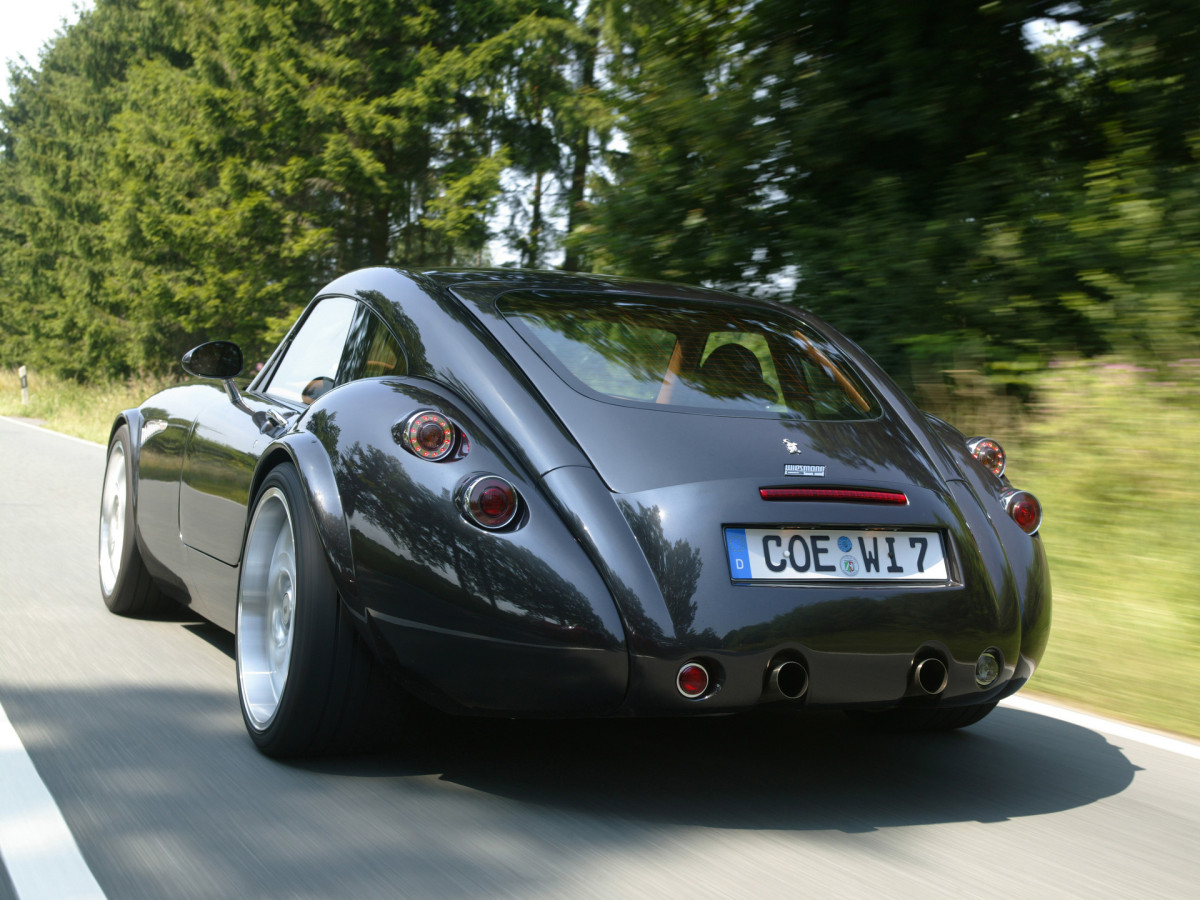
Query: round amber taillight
point(1024, 509)
point(490, 502)
point(429, 435)
point(989, 454)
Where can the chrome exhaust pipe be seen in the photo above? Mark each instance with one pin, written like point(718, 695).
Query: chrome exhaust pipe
point(789, 678)
point(930, 675)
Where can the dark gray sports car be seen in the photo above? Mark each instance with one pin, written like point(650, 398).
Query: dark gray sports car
point(539, 494)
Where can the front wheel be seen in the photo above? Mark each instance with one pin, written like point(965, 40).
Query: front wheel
point(917, 720)
point(125, 584)
point(304, 673)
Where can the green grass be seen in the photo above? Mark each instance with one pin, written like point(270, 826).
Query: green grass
point(85, 411)
point(1110, 457)
point(1107, 448)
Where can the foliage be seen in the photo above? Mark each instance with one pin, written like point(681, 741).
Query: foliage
point(918, 172)
point(243, 152)
point(921, 173)
point(831, 154)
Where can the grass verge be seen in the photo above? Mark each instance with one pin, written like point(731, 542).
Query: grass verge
point(1110, 457)
point(83, 410)
point(1107, 448)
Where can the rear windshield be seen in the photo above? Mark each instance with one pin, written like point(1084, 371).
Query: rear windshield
point(720, 358)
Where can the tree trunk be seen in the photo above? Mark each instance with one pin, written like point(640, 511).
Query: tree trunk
point(576, 205)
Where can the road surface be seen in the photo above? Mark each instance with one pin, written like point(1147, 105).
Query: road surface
point(135, 737)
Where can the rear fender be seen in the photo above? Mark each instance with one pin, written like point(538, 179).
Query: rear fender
point(1024, 556)
point(316, 466)
point(525, 602)
point(132, 419)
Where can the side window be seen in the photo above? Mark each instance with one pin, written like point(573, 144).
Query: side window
point(310, 366)
point(371, 351)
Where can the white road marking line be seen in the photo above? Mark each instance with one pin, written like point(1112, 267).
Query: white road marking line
point(69, 437)
point(42, 858)
point(1105, 726)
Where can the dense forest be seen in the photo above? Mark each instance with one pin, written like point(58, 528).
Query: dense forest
point(942, 187)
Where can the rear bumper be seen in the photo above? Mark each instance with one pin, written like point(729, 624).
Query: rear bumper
point(835, 680)
point(468, 673)
point(473, 673)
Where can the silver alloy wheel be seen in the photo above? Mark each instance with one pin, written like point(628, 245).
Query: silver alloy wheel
point(266, 612)
point(112, 518)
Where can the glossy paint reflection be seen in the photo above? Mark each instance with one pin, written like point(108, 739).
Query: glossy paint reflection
point(513, 596)
point(616, 569)
point(676, 564)
point(475, 571)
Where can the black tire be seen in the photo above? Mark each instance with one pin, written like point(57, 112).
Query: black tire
point(125, 584)
point(316, 697)
point(921, 721)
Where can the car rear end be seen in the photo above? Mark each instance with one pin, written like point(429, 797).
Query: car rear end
point(776, 523)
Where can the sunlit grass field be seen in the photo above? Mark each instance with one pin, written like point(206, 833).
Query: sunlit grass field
point(1108, 449)
point(1111, 459)
point(85, 411)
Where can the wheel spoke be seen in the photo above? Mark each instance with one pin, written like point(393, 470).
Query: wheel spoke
point(267, 608)
point(112, 518)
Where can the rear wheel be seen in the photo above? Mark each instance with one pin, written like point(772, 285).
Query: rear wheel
point(125, 584)
point(910, 721)
point(304, 674)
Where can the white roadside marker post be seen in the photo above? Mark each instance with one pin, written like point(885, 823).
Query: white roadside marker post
point(24, 386)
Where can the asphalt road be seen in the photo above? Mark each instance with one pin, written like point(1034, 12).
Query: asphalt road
point(134, 728)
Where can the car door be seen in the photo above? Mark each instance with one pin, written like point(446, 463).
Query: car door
point(228, 438)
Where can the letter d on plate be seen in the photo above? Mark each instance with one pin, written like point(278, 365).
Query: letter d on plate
point(739, 553)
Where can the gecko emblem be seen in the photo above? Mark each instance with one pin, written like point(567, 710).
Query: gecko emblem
point(791, 446)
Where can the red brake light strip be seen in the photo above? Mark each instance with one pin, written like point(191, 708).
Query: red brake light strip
point(836, 494)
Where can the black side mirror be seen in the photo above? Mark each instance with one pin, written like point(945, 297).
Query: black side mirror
point(216, 359)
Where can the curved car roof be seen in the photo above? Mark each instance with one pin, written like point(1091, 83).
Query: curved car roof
point(530, 279)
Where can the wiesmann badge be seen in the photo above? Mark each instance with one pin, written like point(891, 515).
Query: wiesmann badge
point(798, 470)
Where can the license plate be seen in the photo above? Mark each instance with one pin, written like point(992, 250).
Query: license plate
point(810, 554)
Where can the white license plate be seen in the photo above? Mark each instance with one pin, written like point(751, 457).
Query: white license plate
point(808, 554)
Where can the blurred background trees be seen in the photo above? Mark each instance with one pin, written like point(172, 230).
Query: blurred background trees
point(942, 186)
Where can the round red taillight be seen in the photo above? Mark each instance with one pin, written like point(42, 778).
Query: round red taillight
point(495, 502)
point(989, 454)
point(429, 435)
point(490, 502)
point(692, 680)
point(1024, 509)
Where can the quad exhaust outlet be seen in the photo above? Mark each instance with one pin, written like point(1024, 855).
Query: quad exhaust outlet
point(789, 679)
point(930, 675)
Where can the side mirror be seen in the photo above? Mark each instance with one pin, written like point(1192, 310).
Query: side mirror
point(216, 359)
